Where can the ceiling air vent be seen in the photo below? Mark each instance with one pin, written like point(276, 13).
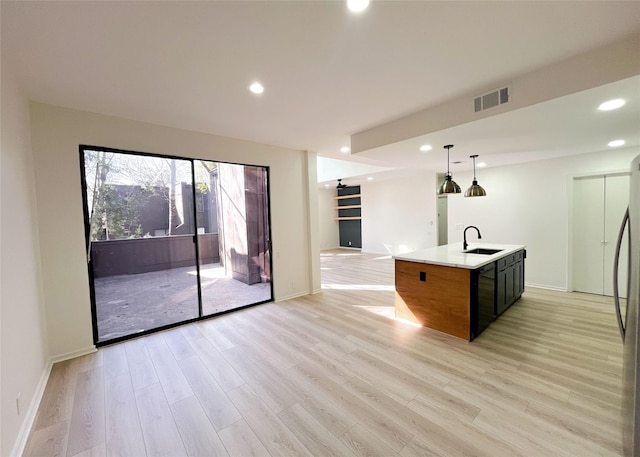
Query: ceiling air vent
point(491, 99)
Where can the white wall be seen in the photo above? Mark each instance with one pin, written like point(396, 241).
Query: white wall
point(23, 342)
point(329, 232)
point(530, 204)
point(56, 134)
point(312, 235)
point(399, 215)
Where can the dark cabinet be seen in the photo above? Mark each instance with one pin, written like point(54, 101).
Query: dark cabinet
point(482, 299)
point(495, 287)
point(509, 280)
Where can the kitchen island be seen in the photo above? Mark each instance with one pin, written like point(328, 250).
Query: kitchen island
point(457, 291)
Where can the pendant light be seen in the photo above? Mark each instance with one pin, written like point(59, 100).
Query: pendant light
point(476, 189)
point(448, 186)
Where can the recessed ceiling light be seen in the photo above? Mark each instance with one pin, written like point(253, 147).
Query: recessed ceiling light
point(357, 6)
point(611, 104)
point(327, 185)
point(616, 143)
point(481, 164)
point(370, 178)
point(426, 147)
point(256, 88)
point(345, 149)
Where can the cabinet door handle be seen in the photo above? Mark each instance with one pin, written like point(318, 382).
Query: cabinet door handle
point(616, 261)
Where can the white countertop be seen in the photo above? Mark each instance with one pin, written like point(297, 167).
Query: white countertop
point(451, 255)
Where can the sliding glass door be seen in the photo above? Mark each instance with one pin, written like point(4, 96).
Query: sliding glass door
point(171, 240)
point(241, 275)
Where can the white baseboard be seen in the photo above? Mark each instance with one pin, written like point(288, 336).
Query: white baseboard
point(289, 297)
point(73, 354)
point(542, 286)
point(32, 410)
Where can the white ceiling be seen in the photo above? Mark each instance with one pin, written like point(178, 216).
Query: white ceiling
point(563, 126)
point(328, 73)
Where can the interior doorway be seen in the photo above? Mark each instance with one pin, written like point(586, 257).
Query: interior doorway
point(443, 214)
point(443, 220)
point(599, 204)
point(172, 240)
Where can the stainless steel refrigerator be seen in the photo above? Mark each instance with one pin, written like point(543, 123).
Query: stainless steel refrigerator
point(629, 317)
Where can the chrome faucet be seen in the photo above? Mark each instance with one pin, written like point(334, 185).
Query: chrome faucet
point(465, 245)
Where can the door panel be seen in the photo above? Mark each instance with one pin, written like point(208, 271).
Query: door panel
point(588, 210)
point(616, 201)
point(241, 274)
point(141, 250)
point(599, 205)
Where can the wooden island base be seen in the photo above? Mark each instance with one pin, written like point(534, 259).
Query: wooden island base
point(458, 292)
point(434, 296)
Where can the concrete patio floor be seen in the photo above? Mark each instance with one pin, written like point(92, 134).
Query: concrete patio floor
point(129, 304)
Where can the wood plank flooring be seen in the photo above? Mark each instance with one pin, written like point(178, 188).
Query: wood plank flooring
point(332, 375)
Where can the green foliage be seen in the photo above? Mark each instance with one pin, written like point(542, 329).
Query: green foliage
point(120, 188)
point(120, 208)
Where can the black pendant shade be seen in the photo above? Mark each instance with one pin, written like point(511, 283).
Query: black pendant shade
point(448, 186)
point(475, 190)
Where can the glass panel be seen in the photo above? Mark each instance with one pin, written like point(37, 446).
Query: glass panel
point(141, 241)
point(233, 235)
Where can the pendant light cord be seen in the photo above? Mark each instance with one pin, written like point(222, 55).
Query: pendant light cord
point(474, 166)
point(448, 147)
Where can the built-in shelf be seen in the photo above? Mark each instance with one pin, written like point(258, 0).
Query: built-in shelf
point(348, 215)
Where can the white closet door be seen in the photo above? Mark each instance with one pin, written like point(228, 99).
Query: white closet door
point(616, 201)
point(588, 211)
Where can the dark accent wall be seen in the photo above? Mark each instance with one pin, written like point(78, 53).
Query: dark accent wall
point(350, 230)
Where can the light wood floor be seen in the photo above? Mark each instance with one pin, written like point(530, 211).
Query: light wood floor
point(329, 375)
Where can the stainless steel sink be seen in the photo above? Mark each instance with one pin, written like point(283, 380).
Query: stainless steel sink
point(483, 251)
